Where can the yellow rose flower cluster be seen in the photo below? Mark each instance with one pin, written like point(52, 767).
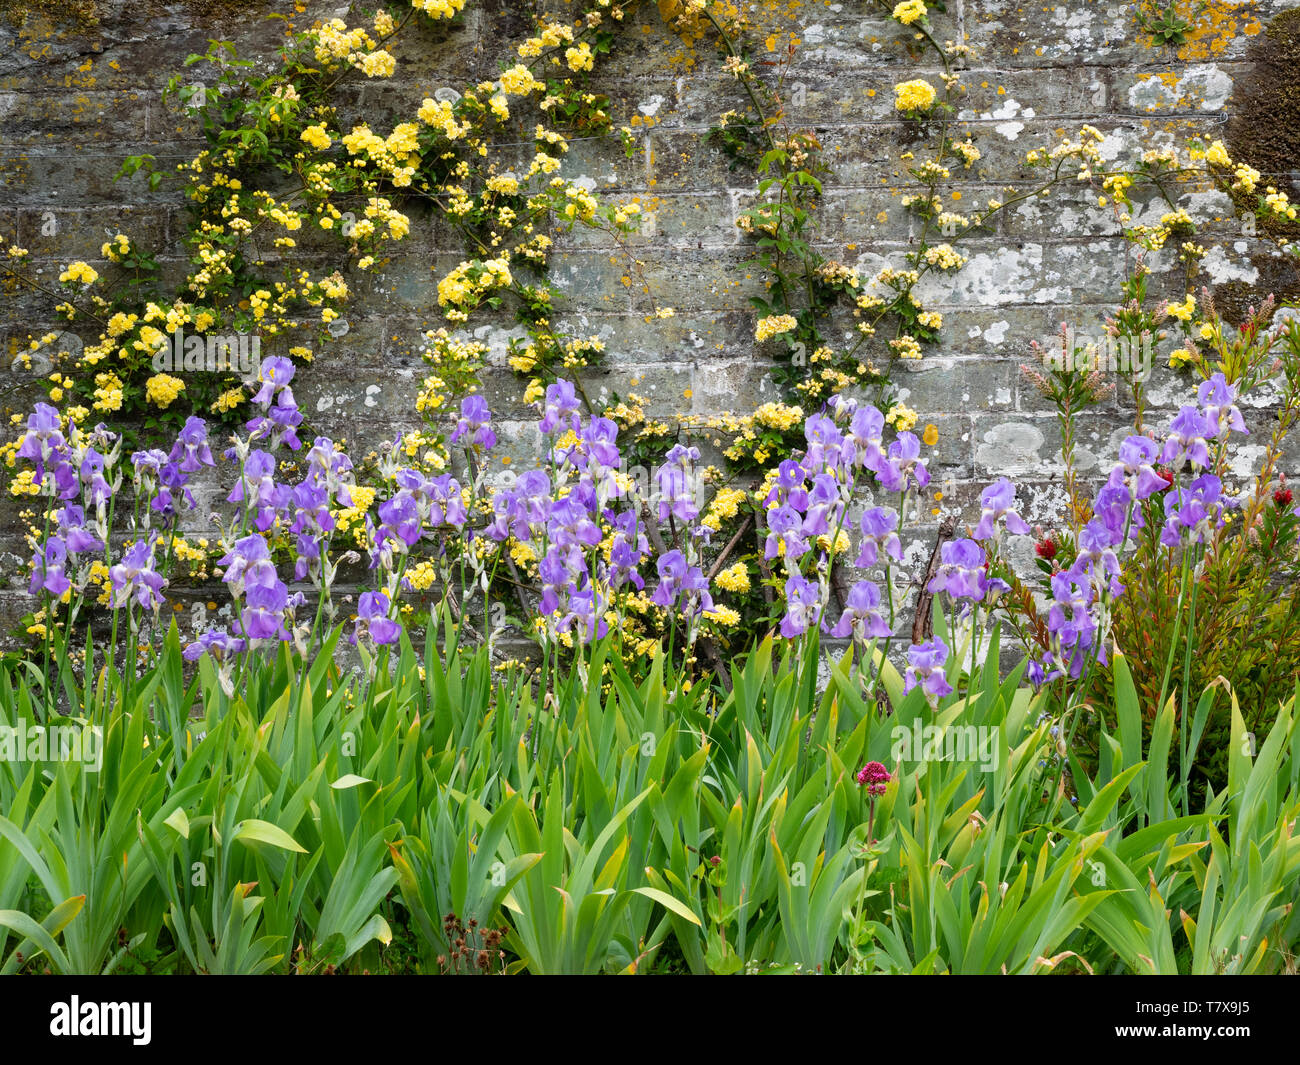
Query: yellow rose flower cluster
point(316, 137)
point(552, 34)
point(724, 616)
point(914, 96)
point(774, 325)
point(910, 11)
point(580, 58)
point(733, 578)
point(945, 257)
point(468, 283)
point(162, 389)
point(907, 347)
point(228, 400)
point(438, 114)
point(901, 417)
point(80, 271)
point(1183, 311)
point(725, 505)
point(439, 9)
point(108, 392)
point(116, 249)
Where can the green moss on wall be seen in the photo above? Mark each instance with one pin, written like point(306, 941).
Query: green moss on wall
point(1264, 130)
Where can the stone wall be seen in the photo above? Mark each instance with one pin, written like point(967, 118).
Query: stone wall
point(76, 96)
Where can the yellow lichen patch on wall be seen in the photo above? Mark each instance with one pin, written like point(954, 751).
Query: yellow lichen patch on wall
point(1217, 26)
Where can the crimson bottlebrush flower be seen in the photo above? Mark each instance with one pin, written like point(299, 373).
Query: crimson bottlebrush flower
point(1045, 548)
point(1282, 497)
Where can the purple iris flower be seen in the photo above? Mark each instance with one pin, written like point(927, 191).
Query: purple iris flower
point(330, 468)
point(826, 444)
point(1218, 398)
point(962, 571)
point(866, 432)
point(676, 494)
point(44, 437)
point(1043, 671)
point(570, 524)
point(681, 585)
point(92, 476)
point(72, 530)
point(1134, 470)
point(628, 548)
point(825, 506)
point(803, 606)
point(903, 465)
point(586, 615)
point(400, 519)
point(1075, 632)
point(275, 374)
point(446, 503)
point(790, 486)
point(785, 524)
point(1194, 512)
point(49, 569)
point(311, 524)
point(925, 666)
point(191, 451)
point(862, 616)
point(1096, 559)
point(1188, 433)
point(473, 424)
point(561, 407)
point(373, 620)
point(248, 565)
point(217, 642)
point(879, 533)
point(263, 614)
point(996, 502)
point(135, 577)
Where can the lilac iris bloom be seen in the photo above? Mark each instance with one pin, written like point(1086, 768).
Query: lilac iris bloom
point(962, 571)
point(681, 585)
point(1218, 398)
point(785, 525)
point(1188, 433)
point(473, 424)
point(1097, 559)
point(72, 530)
point(862, 616)
point(825, 506)
point(866, 435)
point(996, 502)
point(43, 438)
point(790, 486)
point(191, 450)
point(275, 374)
point(1134, 470)
point(925, 666)
point(218, 643)
point(135, 578)
point(803, 606)
point(879, 533)
point(904, 465)
point(1194, 512)
point(49, 569)
point(373, 619)
point(561, 407)
point(263, 614)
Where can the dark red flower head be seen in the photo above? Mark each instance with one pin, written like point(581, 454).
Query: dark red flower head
point(874, 777)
